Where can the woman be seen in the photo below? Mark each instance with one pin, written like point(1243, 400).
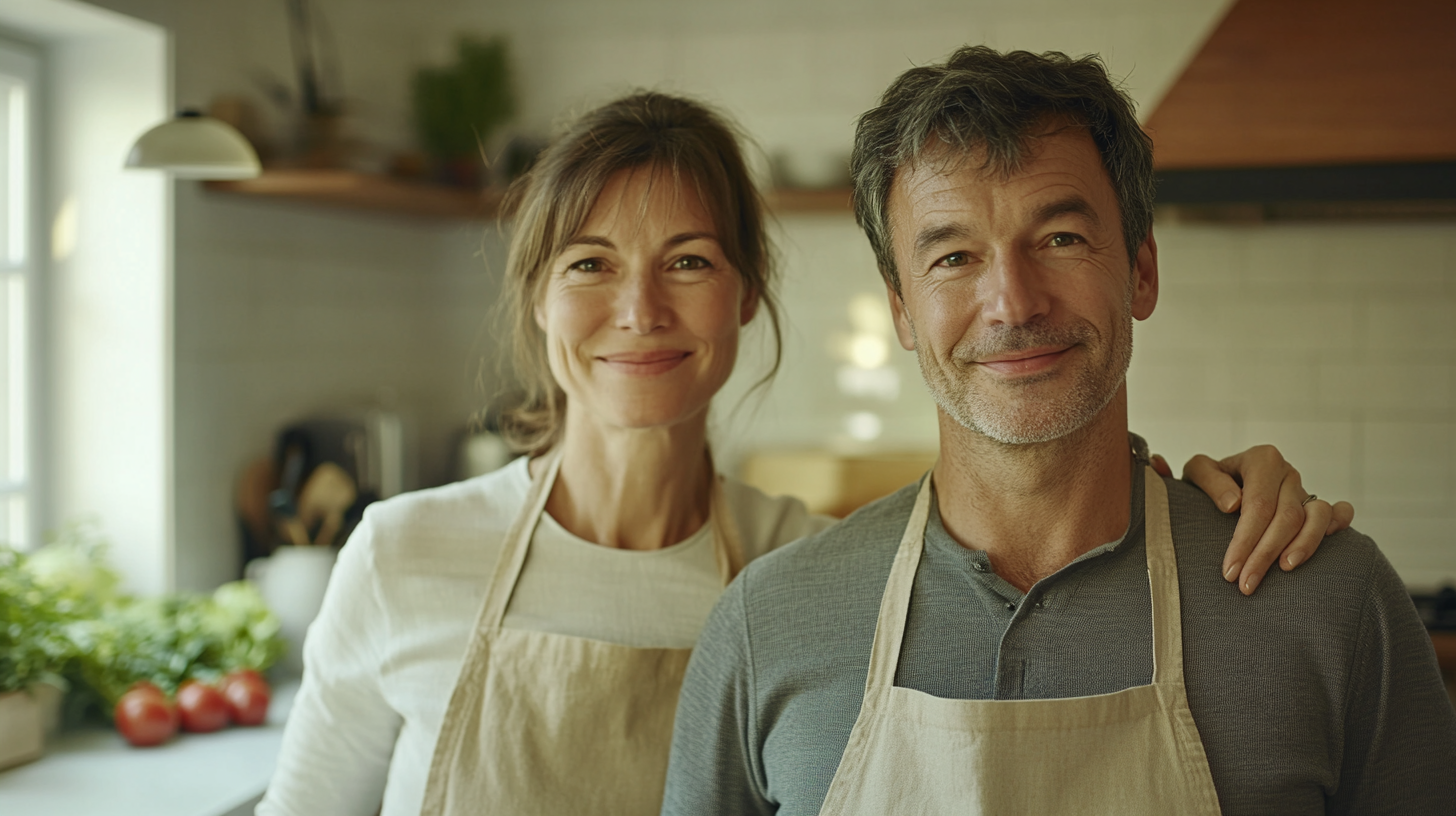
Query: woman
point(559, 597)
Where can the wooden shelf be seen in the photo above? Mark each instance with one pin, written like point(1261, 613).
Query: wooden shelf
point(361, 191)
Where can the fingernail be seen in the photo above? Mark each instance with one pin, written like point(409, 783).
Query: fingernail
point(1293, 559)
point(1250, 583)
point(1228, 574)
point(1226, 502)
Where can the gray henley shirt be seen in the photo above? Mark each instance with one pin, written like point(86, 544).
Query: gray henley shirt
point(1319, 694)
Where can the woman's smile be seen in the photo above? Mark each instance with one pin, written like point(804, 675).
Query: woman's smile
point(644, 363)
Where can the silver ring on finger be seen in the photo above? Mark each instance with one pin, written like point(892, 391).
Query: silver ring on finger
point(1307, 499)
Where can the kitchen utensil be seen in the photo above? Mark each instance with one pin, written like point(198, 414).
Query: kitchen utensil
point(256, 481)
point(325, 497)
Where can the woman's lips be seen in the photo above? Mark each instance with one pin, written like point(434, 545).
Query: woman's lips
point(644, 363)
point(1025, 361)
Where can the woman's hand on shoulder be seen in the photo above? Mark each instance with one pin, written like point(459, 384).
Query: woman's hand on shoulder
point(1278, 520)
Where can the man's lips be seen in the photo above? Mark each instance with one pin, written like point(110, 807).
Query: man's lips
point(1025, 361)
point(645, 363)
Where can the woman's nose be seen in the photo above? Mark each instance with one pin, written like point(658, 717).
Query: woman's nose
point(642, 305)
point(1014, 290)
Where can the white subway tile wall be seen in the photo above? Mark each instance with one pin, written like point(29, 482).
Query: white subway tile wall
point(1336, 341)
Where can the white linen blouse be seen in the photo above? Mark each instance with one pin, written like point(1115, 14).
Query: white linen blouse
point(383, 656)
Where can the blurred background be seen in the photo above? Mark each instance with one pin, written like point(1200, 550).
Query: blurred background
point(204, 374)
point(178, 328)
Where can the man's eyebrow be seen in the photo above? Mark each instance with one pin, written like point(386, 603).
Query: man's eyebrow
point(933, 236)
point(1071, 205)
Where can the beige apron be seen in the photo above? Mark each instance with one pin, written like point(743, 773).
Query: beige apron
point(549, 724)
point(1134, 751)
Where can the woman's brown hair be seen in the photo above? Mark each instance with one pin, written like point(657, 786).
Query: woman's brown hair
point(550, 204)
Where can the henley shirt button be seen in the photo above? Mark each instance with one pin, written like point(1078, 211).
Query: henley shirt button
point(1010, 605)
point(979, 567)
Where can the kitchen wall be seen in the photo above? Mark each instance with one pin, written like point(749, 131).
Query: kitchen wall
point(1333, 340)
point(282, 311)
point(1336, 341)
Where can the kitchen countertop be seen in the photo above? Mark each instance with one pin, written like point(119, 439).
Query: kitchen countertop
point(93, 771)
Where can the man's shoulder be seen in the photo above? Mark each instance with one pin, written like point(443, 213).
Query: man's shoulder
point(861, 541)
point(1345, 566)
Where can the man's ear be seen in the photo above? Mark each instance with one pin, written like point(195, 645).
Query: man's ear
point(902, 318)
point(1145, 278)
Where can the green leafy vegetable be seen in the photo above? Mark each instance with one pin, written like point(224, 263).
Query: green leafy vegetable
point(60, 616)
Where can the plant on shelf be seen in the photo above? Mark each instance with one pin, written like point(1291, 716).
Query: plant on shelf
point(457, 108)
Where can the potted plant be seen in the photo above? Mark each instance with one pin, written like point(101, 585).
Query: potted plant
point(42, 595)
point(457, 108)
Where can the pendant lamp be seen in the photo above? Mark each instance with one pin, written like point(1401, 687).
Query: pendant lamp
point(193, 146)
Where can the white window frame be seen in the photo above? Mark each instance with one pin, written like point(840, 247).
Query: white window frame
point(21, 269)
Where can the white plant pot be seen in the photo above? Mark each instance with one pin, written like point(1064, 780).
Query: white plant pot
point(292, 582)
point(22, 728)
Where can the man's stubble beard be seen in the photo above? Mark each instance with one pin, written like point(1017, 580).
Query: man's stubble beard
point(1013, 421)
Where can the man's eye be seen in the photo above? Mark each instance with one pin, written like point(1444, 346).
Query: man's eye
point(690, 262)
point(954, 259)
point(1064, 239)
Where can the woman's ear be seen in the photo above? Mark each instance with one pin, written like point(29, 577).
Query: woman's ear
point(749, 307)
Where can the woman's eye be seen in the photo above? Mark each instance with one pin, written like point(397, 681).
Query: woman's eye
point(1064, 239)
point(690, 262)
point(587, 265)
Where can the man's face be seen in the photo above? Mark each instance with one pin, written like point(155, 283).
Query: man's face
point(1016, 293)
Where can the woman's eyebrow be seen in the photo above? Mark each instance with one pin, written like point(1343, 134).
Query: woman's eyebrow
point(591, 240)
point(684, 237)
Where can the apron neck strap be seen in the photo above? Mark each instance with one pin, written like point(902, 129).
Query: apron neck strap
point(1162, 584)
point(727, 546)
point(518, 540)
point(895, 602)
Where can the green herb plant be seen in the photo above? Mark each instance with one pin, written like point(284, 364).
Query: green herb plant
point(457, 108)
point(61, 618)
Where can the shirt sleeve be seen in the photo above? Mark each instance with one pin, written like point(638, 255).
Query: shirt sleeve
point(714, 767)
point(341, 731)
point(1400, 728)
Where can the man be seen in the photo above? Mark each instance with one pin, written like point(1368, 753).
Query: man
point(1040, 627)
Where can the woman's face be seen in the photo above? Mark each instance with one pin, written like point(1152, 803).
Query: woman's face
point(641, 310)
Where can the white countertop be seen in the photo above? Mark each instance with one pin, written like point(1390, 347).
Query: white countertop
point(93, 772)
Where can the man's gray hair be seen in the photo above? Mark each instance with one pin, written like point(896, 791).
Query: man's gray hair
point(982, 99)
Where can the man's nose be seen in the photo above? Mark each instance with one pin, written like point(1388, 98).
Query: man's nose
point(642, 305)
point(1014, 290)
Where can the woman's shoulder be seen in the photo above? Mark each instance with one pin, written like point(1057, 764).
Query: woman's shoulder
point(438, 521)
point(767, 522)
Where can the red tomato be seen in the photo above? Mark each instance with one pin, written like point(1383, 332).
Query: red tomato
point(247, 696)
point(203, 707)
point(145, 716)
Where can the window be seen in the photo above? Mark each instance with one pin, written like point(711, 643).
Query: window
point(18, 180)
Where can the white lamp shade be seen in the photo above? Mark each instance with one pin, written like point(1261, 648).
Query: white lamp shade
point(196, 147)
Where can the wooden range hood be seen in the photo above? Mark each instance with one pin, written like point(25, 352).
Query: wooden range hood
point(1297, 105)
